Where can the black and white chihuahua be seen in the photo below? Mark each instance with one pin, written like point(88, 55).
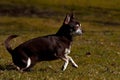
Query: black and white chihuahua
point(46, 48)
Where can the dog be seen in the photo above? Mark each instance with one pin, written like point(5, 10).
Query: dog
point(46, 48)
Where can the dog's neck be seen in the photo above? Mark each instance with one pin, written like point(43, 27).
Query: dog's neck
point(65, 32)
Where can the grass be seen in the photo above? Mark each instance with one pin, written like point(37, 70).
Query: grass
point(100, 22)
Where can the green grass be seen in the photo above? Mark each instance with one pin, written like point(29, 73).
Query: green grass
point(100, 22)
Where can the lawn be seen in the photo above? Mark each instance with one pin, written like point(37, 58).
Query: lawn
point(97, 51)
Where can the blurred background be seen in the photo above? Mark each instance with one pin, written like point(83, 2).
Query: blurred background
point(104, 12)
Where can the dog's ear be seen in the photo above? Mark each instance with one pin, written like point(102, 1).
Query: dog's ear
point(67, 19)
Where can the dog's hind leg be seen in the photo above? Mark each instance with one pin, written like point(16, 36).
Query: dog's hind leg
point(28, 64)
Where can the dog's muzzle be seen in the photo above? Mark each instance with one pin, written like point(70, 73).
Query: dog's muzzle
point(78, 32)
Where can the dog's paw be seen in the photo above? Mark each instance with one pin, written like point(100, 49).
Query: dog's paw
point(75, 65)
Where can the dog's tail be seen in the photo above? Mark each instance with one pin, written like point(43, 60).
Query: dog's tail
point(8, 47)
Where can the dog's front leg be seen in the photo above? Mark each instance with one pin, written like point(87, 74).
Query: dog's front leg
point(67, 59)
point(72, 61)
point(65, 64)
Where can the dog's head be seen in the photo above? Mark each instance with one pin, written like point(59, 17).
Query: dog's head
point(73, 25)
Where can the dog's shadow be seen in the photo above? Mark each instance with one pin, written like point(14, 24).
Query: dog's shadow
point(7, 67)
point(10, 67)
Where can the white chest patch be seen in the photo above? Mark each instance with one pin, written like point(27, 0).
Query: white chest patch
point(68, 50)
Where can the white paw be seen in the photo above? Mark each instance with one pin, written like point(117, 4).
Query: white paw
point(75, 65)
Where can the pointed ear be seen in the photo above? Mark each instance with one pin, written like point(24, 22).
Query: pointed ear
point(67, 19)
